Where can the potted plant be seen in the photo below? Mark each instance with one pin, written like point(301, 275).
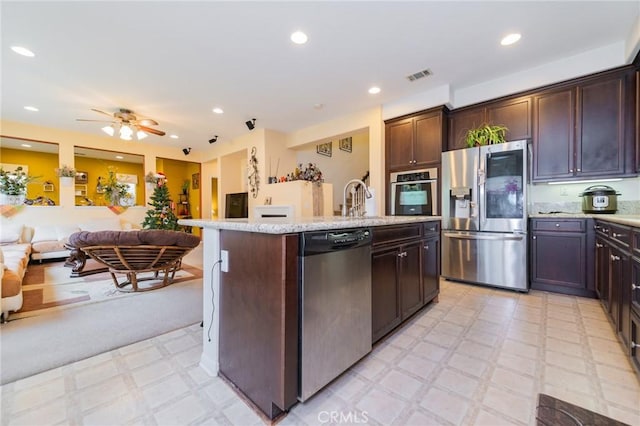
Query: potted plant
point(13, 186)
point(486, 134)
point(66, 174)
point(115, 193)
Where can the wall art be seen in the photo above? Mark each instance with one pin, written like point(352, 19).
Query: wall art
point(324, 149)
point(346, 144)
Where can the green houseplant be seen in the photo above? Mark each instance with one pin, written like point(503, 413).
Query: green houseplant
point(486, 134)
point(13, 186)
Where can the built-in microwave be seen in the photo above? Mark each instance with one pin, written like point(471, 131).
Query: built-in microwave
point(414, 192)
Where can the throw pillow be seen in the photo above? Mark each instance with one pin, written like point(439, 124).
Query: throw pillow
point(44, 233)
point(10, 234)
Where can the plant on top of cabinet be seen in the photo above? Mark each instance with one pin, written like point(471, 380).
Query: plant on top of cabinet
point(486, 134)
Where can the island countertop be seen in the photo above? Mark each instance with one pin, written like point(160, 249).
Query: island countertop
point(281, 225)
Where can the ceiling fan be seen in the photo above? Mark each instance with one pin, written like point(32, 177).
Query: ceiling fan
point(126, 122)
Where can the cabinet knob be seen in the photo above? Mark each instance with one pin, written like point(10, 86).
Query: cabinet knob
point(427, 248)
point(634, 345)
point(634, 287)
point(570, 170)
point(534, 237)
point(614, 235)
point(598, 245)
point(403, 254)
point(577, 170)
point(614, 258)
point(557, 225)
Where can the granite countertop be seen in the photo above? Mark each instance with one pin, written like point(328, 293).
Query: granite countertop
point(623, 219)
point(281, 225)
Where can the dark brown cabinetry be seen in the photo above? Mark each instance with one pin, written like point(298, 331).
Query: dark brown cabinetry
point(583, 129)
point(515, 114)
point(259, 318)
point(621, 302)
point(602, 270)
point(415, 141)
point(562, 256)
point(404, 274)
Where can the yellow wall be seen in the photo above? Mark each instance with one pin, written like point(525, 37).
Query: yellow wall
point(40, 164)
point(100, 168)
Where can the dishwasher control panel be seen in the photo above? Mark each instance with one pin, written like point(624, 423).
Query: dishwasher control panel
point(334, 240)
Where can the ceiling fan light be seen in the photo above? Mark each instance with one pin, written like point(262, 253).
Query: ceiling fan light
point(126, 132)
point(141, 135)
point(108, 130)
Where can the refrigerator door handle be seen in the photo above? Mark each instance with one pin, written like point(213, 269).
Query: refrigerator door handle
point(514, 236)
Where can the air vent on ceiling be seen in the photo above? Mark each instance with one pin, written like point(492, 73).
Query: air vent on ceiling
point(419, 75)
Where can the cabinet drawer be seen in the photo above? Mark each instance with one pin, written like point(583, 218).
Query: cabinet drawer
point(635, 242)
point(392, 234)
point(431, 228)
point(620, 234)
point(564, 225)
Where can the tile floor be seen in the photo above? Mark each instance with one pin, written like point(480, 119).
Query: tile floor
point(479, 357)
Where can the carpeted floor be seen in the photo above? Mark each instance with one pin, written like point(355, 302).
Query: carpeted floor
point(55, 336)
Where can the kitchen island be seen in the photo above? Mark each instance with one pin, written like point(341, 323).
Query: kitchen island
point(251, 297)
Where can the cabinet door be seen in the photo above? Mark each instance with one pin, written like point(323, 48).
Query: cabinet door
point(553, 135)
point(621, 291)
point(430, 269)
point(600, 128)
point(429, 134)
point(410, 282)
point(515, 114)
point(558, 261)
point(399, 137)
point(635, 340)
point(635, 285)
point(602, 271)
point(385, 302)
point(460, 123)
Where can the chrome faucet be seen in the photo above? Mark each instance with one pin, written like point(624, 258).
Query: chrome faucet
point(359, 192)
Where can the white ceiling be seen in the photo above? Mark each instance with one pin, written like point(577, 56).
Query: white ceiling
point(175, 61)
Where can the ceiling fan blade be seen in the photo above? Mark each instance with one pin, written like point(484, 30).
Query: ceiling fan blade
point(102, 112)
point(150, 130)
point(100, 121)
point(147, 122)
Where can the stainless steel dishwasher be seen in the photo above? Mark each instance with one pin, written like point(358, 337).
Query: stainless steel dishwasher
point(335, 305)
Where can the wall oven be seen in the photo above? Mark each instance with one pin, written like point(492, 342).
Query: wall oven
point(414, 192)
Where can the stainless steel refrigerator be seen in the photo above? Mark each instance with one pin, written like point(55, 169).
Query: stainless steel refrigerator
point(484, 215)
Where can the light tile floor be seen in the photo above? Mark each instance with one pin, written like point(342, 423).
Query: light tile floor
point(479, 357)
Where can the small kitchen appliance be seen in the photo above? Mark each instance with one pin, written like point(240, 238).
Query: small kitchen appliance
point(599, 199)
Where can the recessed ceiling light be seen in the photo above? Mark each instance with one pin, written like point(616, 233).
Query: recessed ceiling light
point(218, 110)
point(26, 145)
point(119, 157)
point(174, 136)
point(299, 37)
point(510, 39)
point(374, 90)
point(23, 51)
point(31, 108)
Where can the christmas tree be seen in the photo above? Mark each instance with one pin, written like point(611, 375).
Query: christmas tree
point(161, 216)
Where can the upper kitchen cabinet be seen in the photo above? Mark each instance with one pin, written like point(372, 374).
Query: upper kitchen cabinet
point(514, 114)
point(415, 141)
point(585, 129)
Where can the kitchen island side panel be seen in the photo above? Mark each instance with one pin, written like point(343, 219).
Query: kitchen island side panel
point(259, 317)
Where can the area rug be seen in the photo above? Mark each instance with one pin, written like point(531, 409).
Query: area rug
point(39, 343)
point(49, 286)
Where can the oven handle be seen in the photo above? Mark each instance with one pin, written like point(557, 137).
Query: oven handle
point(409, 182)
point(516, 237)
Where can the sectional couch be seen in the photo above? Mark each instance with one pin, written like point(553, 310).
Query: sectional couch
point(20, 244)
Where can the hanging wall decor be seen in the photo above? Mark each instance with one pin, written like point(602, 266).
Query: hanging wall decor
point(253, 176)
point(324, 149)
point(346, 144)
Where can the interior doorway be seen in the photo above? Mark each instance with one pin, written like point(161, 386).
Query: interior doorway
point(214, 198)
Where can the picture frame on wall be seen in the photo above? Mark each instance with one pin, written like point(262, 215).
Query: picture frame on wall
point(195, 181)
point(346, 144)
point(82, 177)
point(324, 149)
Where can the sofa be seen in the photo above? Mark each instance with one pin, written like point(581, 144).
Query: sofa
point(20, 244)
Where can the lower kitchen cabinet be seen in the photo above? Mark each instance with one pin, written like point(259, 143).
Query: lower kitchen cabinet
point(616, 247)
point(562, 256)
point(405, 273)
